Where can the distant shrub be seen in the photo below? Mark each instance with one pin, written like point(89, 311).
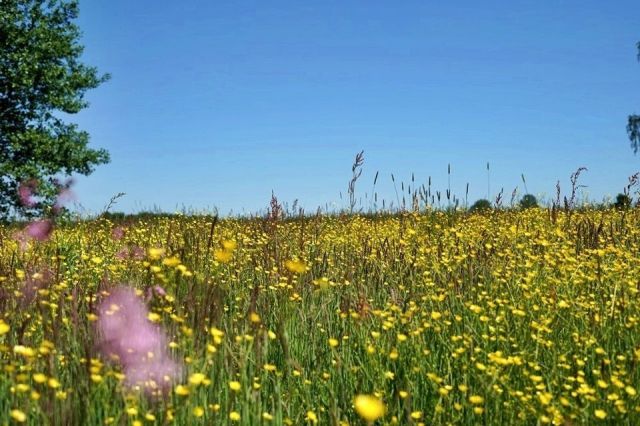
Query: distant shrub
point(528, 201)
point(481, 205)
point(623, 202)
point(113, 216)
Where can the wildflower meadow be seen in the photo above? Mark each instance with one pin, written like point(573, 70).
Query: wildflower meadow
point(512, 316)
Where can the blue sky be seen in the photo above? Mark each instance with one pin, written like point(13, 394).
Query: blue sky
point(216, 104)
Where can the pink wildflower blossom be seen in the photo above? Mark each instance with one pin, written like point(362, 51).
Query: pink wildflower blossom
point(139, 345)
point(40, 229)
point(26, 192)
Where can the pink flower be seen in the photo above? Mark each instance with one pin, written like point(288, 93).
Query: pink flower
point(117, 233)
point(122, 254)
point(155, 290)
point(140, 346)
point(159, 291)
point(64, 194)
point(22, 238)
point(26, 192)
point(137, 253)
point(40, 229)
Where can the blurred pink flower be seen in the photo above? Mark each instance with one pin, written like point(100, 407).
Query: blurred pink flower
point(40, 229)
point(22, 238)
point(159, 291)
point(35, 281)
point(26, 192)
point(117, 233)
point(133, 253)
point(122, 254)
point(155, 290)
point(137, 253)
point(140, 346)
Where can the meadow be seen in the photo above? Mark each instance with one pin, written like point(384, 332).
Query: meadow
point(514, 317)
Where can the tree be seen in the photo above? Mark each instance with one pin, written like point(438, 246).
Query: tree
point(481, 205)
point(528, 201)
point(623, 202)
point(633, 126)
point(42, 78)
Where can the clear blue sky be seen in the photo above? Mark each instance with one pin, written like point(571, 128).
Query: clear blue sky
point(219, 103)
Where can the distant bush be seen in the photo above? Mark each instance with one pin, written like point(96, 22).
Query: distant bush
point(113, 216)
point(623, 202)
point(481, 205)
point(528, 201)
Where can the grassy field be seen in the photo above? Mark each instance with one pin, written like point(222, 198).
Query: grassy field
point(508, 317)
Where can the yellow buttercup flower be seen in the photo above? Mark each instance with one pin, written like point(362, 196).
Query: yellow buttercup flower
point(18, 415)
point(296, 266)
point(4, 327)
point(369, 407)
point(196, 379)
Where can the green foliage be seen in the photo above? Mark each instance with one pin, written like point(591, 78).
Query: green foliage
point(528, 201)
point(633, 125)
point(481, 205)
point(41, 78)
point(623, 202)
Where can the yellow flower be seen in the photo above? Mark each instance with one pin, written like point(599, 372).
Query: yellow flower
point(39, 378)
point(155, 253)
point(4, 327)
point(18, 416)
point(476, 399)
point(369, 407)
point(416, 415)
point(53, 383)
point(222, 256)
point(24, 351)
point(311, 417)
point(234, 416)
point(234, 386)
point(182, 390)
point(198, 411)
point(196, 378)
point(171, 261)
point(229, 245)
point(296, 266)
point(333, 342)
point(601, 414)
point(545, 398)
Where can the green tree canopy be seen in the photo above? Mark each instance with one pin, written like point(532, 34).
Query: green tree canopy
point(633, 126)
point(481, 205)
point(41, 79)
